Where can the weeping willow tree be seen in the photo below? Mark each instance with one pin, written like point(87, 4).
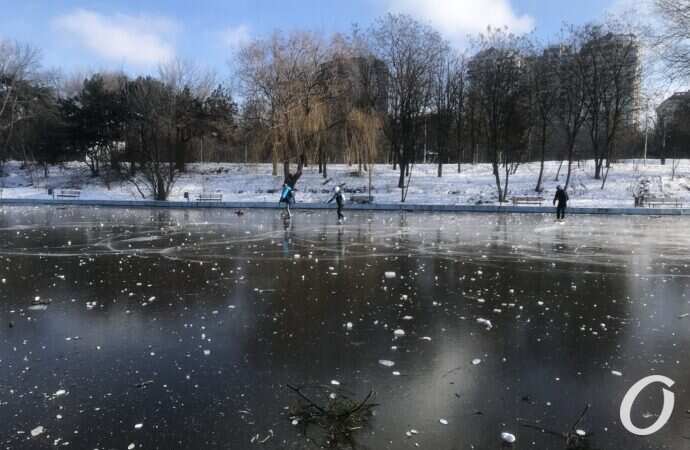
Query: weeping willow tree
point(309, 127)
point(281, 73)
point(363, 129)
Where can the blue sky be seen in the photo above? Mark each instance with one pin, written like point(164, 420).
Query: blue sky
point(137, 35)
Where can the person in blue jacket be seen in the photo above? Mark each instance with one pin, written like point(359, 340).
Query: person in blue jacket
point(287, 194)
point(338, 197)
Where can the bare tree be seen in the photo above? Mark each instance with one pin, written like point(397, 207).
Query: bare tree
point(411, 51)
point(18, 69)
point(672, 39)
point(497, 79)
point(610, 64)
point(571, 99)
point(542, 86)
point(458, 95)
point(150, 127)
point(180, 74)
point(283, 73)
point(443, 103)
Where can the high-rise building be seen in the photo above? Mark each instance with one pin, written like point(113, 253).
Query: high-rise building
point(613, 59)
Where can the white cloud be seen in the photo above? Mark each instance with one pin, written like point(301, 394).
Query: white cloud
point(456, 19)
point(136, 40)
point(235, 36)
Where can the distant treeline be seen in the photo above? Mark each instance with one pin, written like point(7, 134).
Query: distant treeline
point(396, 92)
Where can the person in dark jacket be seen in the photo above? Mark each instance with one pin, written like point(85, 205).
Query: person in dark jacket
point(562, 198)
point(338, 197)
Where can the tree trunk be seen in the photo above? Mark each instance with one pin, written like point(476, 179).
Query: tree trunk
point(570, 165)
point(598, 162)
point(160, 188)
point(497, 176)
point(179, 151)
point(401, 180)
point(541, 165)
point(606, 175)
point(505, 186)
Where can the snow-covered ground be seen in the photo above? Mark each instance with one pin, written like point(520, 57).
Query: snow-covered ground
point(475, 184)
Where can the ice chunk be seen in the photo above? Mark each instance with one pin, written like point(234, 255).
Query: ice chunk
point(37, 307)
point(508, 437)
point(486, 322)
point(139, 426)
point(580, 432)
point(616, 373)
point(476, 361)
point(389, 275)
point(443, 421)
point(335, 382)
point(349, 325)
point(37, 431)
point(207, 352)
point(386, 363)
point(399, 332)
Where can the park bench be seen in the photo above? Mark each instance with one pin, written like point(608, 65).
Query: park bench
point(210, 197)
point(662, 201)
point(361, 199)
point(527, 200)
point(66, 193)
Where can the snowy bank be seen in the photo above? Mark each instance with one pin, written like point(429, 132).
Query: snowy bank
point(473, 186)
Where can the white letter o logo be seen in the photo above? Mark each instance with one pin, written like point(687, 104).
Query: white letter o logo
point(666, 410)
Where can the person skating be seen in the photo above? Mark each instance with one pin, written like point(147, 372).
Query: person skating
point(287, 194)
point(338, 197)
point(561, 198)
point(287, 197)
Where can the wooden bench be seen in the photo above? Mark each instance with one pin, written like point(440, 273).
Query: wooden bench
point(526, 200)
point(209, 197)
point(361, 199)
point(66, 193)
point(662, 201)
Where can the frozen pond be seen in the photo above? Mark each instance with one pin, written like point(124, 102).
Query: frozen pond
point(162, 329)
